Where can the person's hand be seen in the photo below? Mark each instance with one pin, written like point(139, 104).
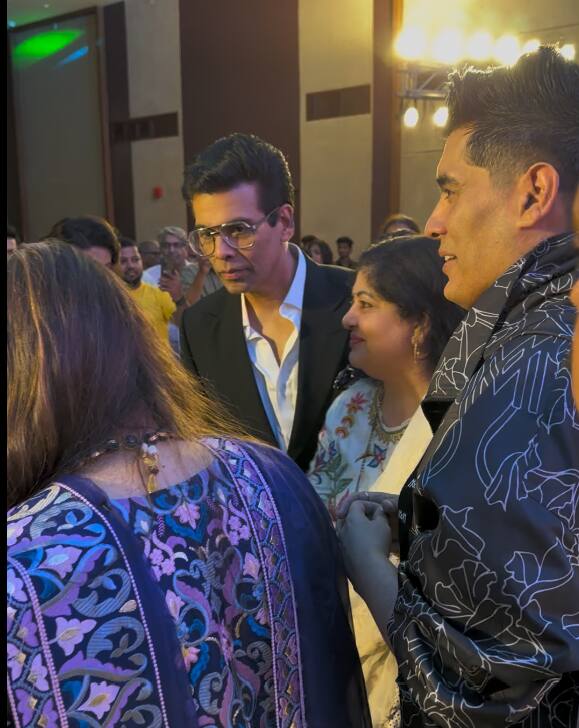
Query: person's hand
point(204, 265)
point(171, 282)
point(387, 501)
point(365, 536)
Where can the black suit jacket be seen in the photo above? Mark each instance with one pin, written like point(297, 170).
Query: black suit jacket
point(213, 347)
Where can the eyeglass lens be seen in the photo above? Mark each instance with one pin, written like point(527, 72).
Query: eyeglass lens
point(237, 234)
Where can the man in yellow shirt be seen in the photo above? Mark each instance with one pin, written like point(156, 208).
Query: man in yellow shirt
point(158, 306)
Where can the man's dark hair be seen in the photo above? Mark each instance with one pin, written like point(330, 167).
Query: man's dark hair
point(399, 219)
point(87, 232)
point(345, 239)
point(12, 233)
point(127, 242)
point(407, 271)
point(240, 158)
point(520, 115)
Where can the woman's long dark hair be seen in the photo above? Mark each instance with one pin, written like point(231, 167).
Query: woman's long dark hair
point(84, 366)
point(407, 271)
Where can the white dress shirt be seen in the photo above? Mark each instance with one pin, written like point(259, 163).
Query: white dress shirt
point(278, 383)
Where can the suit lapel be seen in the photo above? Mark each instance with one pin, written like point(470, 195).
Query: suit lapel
point(233, 374)
point(323, 343)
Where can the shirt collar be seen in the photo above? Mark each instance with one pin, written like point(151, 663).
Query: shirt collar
point(294, 299)
point(543, 273)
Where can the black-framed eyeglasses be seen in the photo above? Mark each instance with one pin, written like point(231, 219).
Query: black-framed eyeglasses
point(238, 234)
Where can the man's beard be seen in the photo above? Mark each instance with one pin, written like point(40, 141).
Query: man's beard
point(135, 283)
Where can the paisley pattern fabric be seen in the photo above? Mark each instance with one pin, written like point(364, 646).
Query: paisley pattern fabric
point(174, 610)
point(485, 627)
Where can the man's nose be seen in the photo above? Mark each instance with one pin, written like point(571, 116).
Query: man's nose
point(222, 249)
point(435, 225)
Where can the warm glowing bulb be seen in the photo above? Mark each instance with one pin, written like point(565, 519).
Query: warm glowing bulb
point(507, 50)
point(480, 46)
point(448, 46)
point(411, 43)
point(531, 46)
point(568, 51)
point(440, 116)
point(411, 117)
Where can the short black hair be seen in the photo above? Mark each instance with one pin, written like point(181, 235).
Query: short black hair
point(12, 233)
point(407, 271)
point(345, 239)
point(399, 219)
point(127, 242)
point(240, 158)
point(87, 232)
point(519, 115)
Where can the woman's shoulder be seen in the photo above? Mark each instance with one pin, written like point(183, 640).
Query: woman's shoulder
point(236, 453)
point(355, 398)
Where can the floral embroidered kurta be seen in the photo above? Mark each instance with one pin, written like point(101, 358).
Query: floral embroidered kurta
point(350, 455)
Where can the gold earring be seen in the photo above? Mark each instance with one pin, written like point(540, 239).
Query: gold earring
point(416, 350)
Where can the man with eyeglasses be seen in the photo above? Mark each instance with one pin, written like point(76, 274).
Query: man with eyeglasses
point(271, 343)
point(184, 280)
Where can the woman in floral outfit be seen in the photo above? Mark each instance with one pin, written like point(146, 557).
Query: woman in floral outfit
point(399, 323)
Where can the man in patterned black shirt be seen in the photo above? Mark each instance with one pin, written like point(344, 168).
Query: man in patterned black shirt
point(483, 617)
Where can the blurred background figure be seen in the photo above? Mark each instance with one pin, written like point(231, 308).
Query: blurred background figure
point(185, 280)
point(320, 252)
point(150, 252)
point(179, 273)
point(157, 305)
point(93, 235)
point(344, 246)
point(12, 240)
point(399, 223)
point(305, 241)
point(164, 557)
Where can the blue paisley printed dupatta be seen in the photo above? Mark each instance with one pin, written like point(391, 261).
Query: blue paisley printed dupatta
point(94, 640)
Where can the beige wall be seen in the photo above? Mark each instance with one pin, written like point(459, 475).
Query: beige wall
point(154, 64)
point(335, 48)
point(335, 51)
point(421, 147)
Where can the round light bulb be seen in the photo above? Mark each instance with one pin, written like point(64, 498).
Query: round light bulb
point(531, 46)
point(448, 46)
point(440, 116)
point(507, 50)
point(411, 43)
point(411, 117)
point(480, 46)
point(568, 51)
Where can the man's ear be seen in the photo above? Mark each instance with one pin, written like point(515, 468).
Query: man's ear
point(285, 218)
point(537, 192)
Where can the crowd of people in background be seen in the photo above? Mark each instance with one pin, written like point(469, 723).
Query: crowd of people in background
point(257, 482)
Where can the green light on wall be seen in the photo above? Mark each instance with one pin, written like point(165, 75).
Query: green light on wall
point(43, 45)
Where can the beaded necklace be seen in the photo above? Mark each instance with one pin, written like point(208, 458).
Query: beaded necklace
point(378, 430)
point(147, 452)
